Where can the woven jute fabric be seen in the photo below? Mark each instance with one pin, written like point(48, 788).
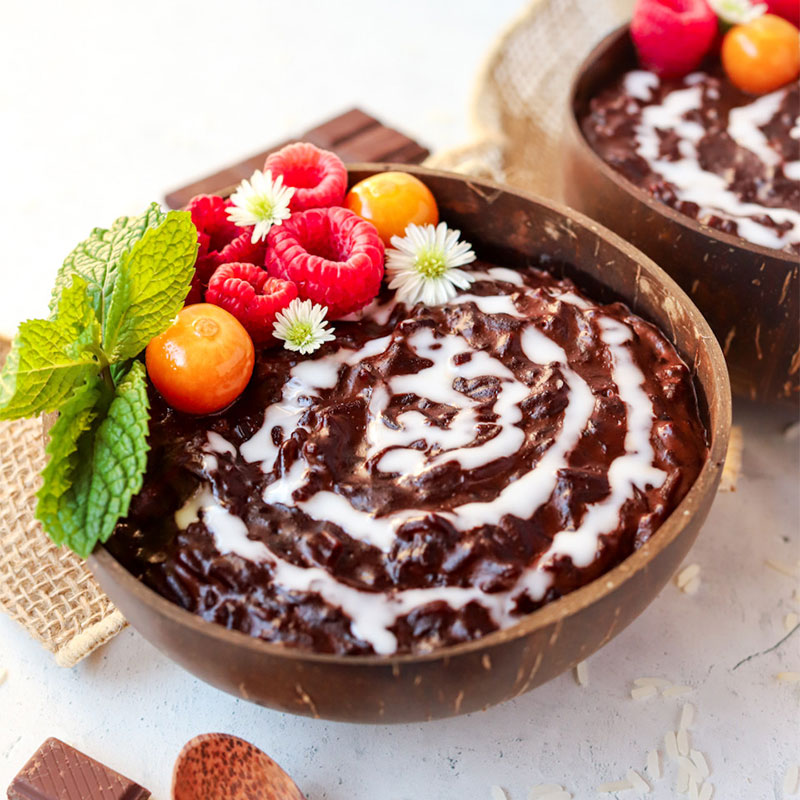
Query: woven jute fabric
point(47, 589)
point(521, 96)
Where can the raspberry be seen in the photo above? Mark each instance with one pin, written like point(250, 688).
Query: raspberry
point(334, 257)
point(788, 9)
point(195, 294)
point(210, 217)
point(220, 241)
point(251, 296)
point(319, 176)
point(242, 249)
point(673, 36)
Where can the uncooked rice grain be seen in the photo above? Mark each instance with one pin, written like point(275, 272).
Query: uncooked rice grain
point(706, 791)
point(692, 587)
point(694, 790)
point(535, 792)
point(687, 574)
point(637, 781)
point(642, 692)
point(790, 779)
point(691, 768)
point(732, 467)
point(783, 567)
point(788, 677)
point(654, 765)
point(671, 743)
point(790, 621)
point(652, 682)
point(687, 716)
point(683, 741)
point(676, 691)
point(613, 786)
point(700, 762)
point(498, 793)
point(582, 673)
point(556, 796)
point(682, 785)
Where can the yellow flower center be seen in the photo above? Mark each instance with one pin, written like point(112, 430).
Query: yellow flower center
point(431, 263)
point(300, 334)
point(261, 207)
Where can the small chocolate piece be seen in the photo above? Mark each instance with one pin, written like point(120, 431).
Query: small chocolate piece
point(57, 771)
point(353, 136)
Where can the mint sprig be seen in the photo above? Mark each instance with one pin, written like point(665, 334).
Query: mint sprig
point(150, 286)
point(97, 258)
point(114, 293)
point(95, 466)
point(50, 356)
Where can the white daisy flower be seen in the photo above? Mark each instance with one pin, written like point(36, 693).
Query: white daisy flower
point(737, 12)
point(423, 264)
point(261, 202)
point(302, 326)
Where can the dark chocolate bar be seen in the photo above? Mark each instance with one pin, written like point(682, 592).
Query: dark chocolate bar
point(57, 771)
point(353, 136)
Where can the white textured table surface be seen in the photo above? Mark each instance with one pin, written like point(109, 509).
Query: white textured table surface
point(103, 108)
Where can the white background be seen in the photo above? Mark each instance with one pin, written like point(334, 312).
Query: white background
point(104, 107)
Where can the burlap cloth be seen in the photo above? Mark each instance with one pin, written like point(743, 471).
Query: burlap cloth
point(46, 589)
point(517, 112)
point(520, 98)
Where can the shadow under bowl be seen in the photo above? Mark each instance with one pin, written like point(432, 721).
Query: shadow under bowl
point(514, 229)
point(748, 293)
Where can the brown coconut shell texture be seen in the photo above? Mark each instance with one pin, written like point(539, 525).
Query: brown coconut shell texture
point(218, 766)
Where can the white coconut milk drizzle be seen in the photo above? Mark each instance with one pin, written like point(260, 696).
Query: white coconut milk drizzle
point(306, 379)
point(694, 184)
point(523, 496)
point(632, 470)
point(371, 613)
point(219, 444)
point(791, 169)
point(640, 83)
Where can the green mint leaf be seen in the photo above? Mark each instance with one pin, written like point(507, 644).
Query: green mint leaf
point(76, 417)
point(106, 463)
point(97, 258)
point(49, 357)
point(151, 283)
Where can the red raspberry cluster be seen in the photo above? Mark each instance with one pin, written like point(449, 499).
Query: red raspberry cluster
point(219, 241)
point(324, 252)
point(672, 37)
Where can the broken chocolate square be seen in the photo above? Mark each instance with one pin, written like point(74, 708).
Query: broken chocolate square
point(57, 771)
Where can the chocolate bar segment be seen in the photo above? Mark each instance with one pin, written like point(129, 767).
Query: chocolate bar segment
point(353, 136)
point(332, 133)
point(375, 144)
point(57, 771)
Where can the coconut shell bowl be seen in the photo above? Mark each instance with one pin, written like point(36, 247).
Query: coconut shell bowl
point(515, 229)
point(749, 294)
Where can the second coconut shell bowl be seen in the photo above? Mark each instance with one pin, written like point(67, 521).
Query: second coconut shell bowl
point(515, 229)
point(748, 293)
